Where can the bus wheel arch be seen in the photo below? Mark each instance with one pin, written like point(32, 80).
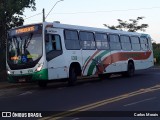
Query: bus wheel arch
point(74, 71)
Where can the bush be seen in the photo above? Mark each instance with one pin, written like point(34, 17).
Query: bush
point(157, 55)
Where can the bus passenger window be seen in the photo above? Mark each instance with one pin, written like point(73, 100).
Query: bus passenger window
point(56, 42)
point(71, 40)
point(135, 43)
point(48, 43)
point(114, 42)
point(101, 41)
point(125, 42)
point(144, 43)
point(53, 43)
point(87, 40)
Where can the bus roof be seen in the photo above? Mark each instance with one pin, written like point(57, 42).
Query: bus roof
point(94, 29)
point(85, 28)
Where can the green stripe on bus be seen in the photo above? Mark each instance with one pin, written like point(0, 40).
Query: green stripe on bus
point(41, 75)
point(93, 64)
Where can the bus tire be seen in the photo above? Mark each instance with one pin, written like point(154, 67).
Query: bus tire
point(72, 77)
point(131, 69)
point(42, 83)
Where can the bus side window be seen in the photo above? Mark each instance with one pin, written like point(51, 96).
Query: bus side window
point(71, 40)
point(144, 43)
point(125, 42)
point(114, 42)
point(101, 41)
point(87, 40)
point(53, 47)
point(135, 43)
point(47, 38)
point(56, 43)
point(48, 43)
point(149, 44)
point(53, 43)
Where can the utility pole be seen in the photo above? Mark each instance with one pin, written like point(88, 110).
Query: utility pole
point(43, 15)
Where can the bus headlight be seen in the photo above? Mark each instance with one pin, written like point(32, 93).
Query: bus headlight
point(8, 72)
point(39, 67)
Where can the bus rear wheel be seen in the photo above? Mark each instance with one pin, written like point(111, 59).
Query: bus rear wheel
point(72, 77)
point(131, 69)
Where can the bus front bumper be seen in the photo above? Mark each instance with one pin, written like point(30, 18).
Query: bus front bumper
point(32, 77)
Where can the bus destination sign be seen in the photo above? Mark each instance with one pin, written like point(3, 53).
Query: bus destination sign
point(23, 30)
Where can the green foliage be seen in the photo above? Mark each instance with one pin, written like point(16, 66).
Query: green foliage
point(131, 25)
point(11, 15)
point(11, 11)
point(157, 55)
point(156, 52)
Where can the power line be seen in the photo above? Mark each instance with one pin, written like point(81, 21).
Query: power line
point(33, 16)
point(43, 12)
point(98, 11)
point(110, 11)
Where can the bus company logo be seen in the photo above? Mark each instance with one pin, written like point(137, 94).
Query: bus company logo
point(6, 114)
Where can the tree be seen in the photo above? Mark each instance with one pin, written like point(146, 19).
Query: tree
point(131, 25)
point(156, 51)
point(11, 12)
point(11, 15)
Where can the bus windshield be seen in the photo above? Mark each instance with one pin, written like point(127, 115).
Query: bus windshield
point(24, 50)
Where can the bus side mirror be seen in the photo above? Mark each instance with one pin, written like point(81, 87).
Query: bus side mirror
point(46, 38)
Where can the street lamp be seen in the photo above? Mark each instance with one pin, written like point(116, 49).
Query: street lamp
point(53, 7)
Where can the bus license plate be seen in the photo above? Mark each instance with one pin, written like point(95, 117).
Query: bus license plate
point(22, 80)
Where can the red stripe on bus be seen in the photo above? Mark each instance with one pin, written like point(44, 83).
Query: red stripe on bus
point(122, 56)
point(125, 56)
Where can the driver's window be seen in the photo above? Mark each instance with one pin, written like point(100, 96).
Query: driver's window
point(53, 43)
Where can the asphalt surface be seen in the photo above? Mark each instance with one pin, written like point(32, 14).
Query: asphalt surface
point(139, 93)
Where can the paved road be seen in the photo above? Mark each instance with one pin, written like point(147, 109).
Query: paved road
point(139, 93)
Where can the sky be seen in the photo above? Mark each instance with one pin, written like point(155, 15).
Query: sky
point(95, 13)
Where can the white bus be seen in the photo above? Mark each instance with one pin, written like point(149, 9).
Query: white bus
point(55, 51)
